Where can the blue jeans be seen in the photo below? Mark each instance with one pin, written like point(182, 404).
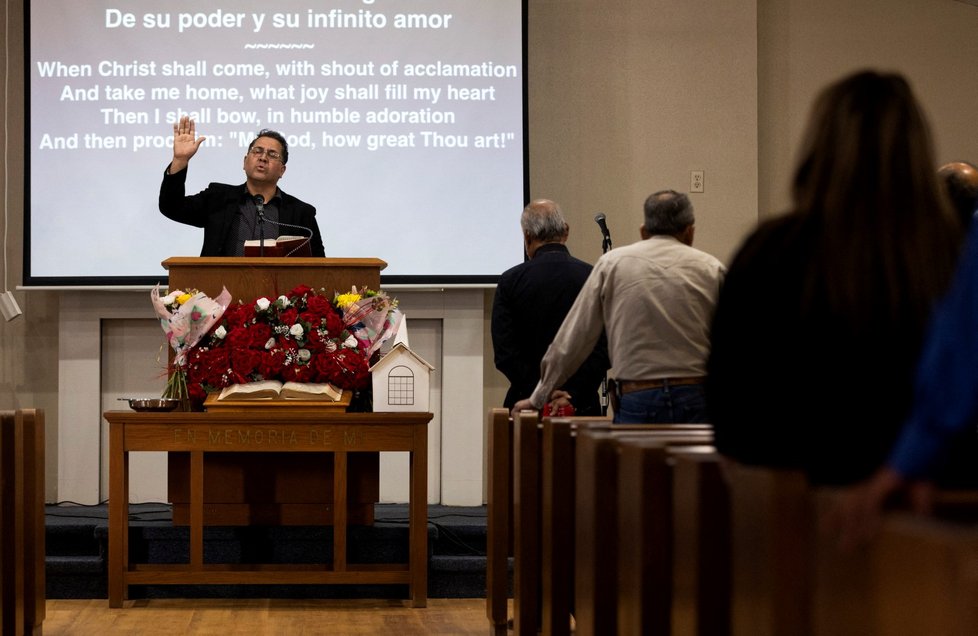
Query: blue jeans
point(682, 404)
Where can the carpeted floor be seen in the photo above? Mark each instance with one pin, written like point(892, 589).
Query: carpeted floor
point(77, 542)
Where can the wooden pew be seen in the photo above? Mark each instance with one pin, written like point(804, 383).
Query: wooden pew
point(673, 539)
point(596, 580)
point(527, 514)
point(557, 501)
point(11, 532)
point(558, 485)
point(926, 577)
point(514, 521)
point(701, 543)
point(540, 499)
point(499, 524)
point(22, 606)
point(644, 586)
point(773, 523)
point(918, 576)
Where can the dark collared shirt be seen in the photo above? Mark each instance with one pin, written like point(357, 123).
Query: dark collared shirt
point(245, 224)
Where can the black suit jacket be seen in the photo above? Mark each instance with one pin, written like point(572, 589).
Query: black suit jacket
point(215, 208)
point(531, 302)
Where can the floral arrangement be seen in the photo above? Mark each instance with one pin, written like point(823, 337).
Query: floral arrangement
point(301, 336)
point(185, 317)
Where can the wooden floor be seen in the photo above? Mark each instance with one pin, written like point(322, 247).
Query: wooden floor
point(263, 616)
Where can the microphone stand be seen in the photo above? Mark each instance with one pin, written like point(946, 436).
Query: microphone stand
point(260, 208)
point(599, 218)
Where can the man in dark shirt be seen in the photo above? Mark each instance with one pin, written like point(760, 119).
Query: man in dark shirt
point(531, 302)
point(230, 214)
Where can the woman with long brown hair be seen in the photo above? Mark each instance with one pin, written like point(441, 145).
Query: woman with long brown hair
point(819, 324)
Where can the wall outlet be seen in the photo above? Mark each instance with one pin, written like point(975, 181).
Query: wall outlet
point(696, 181)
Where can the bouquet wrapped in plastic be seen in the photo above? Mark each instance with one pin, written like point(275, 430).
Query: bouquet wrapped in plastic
point(372, 317)
point(185, 317)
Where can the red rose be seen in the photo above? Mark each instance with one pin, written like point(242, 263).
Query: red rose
point(239, 338)
point(334, 324)
point(298, 373)
point(237, 314)
point(311, 318)
point(197, 393)
point(344, 368)
point(245, 361)
point(271, 363)
point(289, 316)
point(260, 333)
point(315, 342)
point(319, 306)
point(207, 366)
point(327, 370)
point(299, 291)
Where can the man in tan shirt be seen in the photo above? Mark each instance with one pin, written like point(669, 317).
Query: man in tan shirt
point(655, 300)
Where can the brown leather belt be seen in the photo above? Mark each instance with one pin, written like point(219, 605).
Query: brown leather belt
point(630, 386)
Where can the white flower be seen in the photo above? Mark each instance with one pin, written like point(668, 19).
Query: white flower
point(262, 303)
point(296, 330)
point(283, 301)
point(350, 342)
point(170, 298)
point(304, 355)
point(330, 346)
point(220, 332)
point(270, 343)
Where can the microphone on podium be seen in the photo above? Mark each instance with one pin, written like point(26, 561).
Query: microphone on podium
point(260, 208)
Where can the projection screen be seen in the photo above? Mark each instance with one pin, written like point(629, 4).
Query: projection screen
point(405, 119)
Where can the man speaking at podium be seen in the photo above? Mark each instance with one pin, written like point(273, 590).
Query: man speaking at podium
point(230, 214)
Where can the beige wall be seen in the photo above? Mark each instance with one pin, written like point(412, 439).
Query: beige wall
point(626, 97)
point(803, 45)
point(28, 345)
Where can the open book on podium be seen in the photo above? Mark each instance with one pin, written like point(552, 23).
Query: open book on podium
point(275, 394)
point(281, 246)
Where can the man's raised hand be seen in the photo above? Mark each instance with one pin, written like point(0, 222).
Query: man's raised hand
point(185, 143)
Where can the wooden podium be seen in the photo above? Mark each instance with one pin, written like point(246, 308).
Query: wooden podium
point(249, 278)
point(272, 488)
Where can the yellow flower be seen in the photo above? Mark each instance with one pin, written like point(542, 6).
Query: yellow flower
point(345, 300)
point(184, 298)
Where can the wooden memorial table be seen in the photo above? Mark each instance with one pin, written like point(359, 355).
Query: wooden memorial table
point(261, 431)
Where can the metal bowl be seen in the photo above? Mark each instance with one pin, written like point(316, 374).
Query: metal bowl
point(152, 404)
